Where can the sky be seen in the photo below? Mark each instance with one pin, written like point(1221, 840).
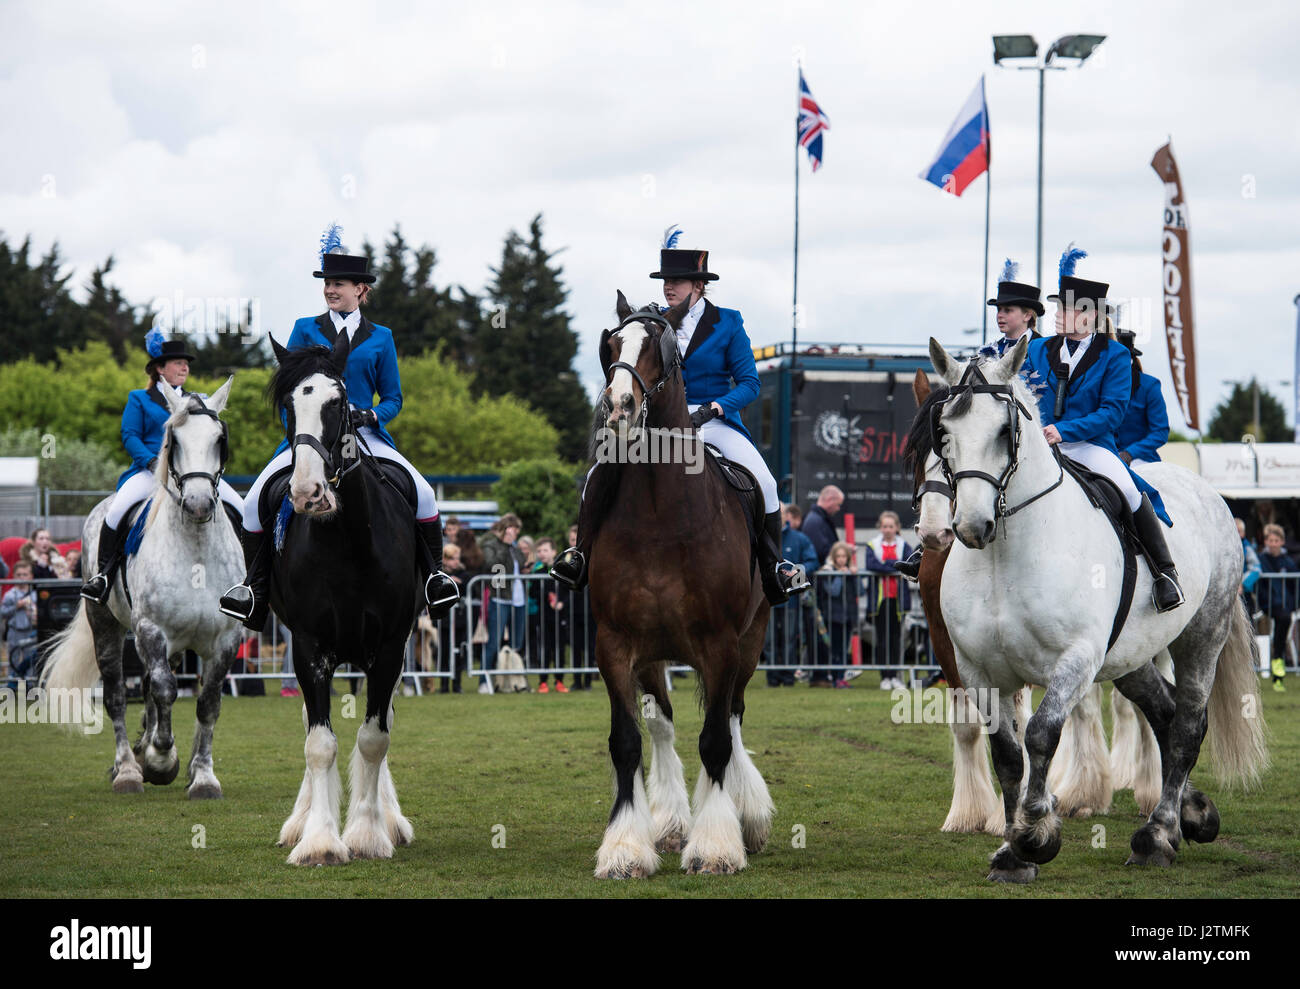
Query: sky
point(206, 147)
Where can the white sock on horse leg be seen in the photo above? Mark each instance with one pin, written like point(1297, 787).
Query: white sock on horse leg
point(717, 843)
point(666, 782)
point(748, 792)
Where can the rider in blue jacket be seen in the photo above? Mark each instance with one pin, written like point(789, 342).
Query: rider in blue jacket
point(371, 370)
point(1085, 379)
point(144, 423)
point(721, 379)
point(1145, 428)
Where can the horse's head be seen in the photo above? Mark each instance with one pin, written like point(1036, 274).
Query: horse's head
point(976, 435)
point(931, 494)
point(637, 356)
point(308, 387)
point(194, 451)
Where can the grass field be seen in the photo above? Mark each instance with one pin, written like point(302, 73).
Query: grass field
point(870, 796)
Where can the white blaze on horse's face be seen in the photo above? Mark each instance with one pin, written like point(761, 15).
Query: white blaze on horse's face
point(309, 491)
point(196, 449)
point(625, 345)
point(934, 526)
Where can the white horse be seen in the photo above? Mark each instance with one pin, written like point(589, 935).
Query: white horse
point(1035, 604)
point(188, 553)
point(1081, 774)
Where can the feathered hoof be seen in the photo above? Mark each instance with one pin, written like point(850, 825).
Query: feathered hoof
point(1200, 818)
point(400, 831)
point(1080, 813)
point(326, 850)
point(711, 867)
point(626, 871)
point(1151, 848)
point(1039, 843)
point(205, 791)
point(1005, 867)
point(756, 834)
point(128, 783)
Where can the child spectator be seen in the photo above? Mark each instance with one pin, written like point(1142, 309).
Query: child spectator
point(1277, 596)
point(547, 616)
point(18, 611)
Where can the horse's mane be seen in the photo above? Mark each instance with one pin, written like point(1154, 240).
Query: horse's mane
point(918, 444)
point(297, 364)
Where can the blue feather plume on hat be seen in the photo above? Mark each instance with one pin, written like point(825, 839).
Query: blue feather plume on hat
point(331, 242)
point(1072, 256)
point(153, 342)
point(670, 237)
point(1009, 271)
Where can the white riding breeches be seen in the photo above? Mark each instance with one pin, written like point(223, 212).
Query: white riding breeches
point(1101, 461)
point(426, 505)
point(735, 446)
point(140, 486)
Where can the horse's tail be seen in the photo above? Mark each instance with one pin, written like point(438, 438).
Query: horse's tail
point(70, 659)
point(1238, 737)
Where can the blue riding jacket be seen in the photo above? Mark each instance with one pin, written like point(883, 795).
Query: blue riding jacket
point(1096, 396)
point(144, 423)
point(1145, 428)
point(719, 365)
point(371, 369)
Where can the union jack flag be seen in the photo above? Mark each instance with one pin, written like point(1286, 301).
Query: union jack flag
point(812, 122)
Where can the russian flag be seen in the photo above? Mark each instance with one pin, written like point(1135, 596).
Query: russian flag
point(966, 150)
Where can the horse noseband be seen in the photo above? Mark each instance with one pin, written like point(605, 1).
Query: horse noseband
point(223, 450)
point(646, 393)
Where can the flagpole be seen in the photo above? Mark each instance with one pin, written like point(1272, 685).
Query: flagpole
point(988, 185)
point(794, 304)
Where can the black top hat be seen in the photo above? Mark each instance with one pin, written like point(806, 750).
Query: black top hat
point(350, 266)
point(1075, 292)
point(1018, 294)
point(691, 265)
point(161, 351)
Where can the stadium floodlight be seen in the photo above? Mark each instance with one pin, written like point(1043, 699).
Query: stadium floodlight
point(1078, 46)
point(1014, 46)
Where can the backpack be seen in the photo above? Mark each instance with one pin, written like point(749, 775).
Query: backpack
point(510, 683)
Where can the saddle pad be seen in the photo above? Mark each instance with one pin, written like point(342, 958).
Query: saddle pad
point(136, 521)
point(276, 489)
point(745, 486)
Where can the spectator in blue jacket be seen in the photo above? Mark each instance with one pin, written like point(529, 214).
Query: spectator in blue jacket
point(1145, 428)
point(792, 621)
point(1278, 595)
point(18, 614)
point(818, 525)
point(1250, 568)
point(837, 597)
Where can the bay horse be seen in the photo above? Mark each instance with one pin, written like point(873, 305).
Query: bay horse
point(672, 581)
point(1036, 605)
point(347, 583)
point(187, 550)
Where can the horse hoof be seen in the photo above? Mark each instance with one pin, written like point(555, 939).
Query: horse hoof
point(325, 856)
point(1200, 818)
point(128, 784)
point(1022, 876)
point(1080, 812)
point(205, 791)
point(672, 844)
point(160, 777)
point(718, 868)
point(627, 872)
point(1150, 848)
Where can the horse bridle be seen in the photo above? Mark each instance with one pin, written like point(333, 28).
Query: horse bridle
point(974, 382)
point(344, 466)
point(224, 454)
point(675, 365)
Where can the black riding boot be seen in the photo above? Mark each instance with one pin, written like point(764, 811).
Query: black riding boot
point(440, 592)
point(98, 587)
point(1166, 595)
point(911, 567)
point(250, 601)
point(781, 578)
point(570, 567)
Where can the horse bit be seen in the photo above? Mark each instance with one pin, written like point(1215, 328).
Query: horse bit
point(974, 382)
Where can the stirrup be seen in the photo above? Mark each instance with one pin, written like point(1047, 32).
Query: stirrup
point(238, 605)
point(1155, 599)
point(440, 594)
point(570, 568)
point(910, 569)
point(97, 589)
point(794, 580)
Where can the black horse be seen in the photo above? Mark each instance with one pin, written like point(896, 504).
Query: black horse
point(673, 580)
point(347, 583)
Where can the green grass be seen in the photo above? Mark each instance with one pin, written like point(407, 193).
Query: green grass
point(869, 794)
